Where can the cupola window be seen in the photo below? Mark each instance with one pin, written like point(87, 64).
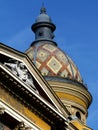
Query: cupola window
point(40, 33)
point(78, 115)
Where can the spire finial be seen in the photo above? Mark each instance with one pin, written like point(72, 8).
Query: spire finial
point(43, 27)
point(43, 4)
point(43, 9)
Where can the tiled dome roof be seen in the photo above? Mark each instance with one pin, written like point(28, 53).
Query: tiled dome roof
point(51, 61)
point(44, 53)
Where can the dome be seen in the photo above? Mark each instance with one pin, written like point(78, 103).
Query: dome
point(45, 54)
point(57, 68)
point(43, 17)
point(52, 61)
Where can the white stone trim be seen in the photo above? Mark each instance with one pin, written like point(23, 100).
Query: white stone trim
point(18, 116)
point(38, 96)
point(21, 60)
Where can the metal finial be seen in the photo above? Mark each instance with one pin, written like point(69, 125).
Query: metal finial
point(43, 9)
point(42, 4)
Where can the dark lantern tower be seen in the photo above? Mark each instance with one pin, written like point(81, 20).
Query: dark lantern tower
point(43, 27)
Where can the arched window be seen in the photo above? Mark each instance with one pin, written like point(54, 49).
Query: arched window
point(78, 115)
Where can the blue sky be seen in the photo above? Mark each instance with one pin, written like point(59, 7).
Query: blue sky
point(76, 34)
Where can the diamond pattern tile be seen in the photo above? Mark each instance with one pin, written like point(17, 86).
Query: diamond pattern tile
point(51, 61)
point(72, 70)
point(64, 73)
point(61, 57)
point(37, 64)
point(54, 65)
point(44, 71)
point(31, 54)
point(50, 48)
point(42, 55)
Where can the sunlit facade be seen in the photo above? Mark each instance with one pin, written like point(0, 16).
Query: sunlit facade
point(41, 88)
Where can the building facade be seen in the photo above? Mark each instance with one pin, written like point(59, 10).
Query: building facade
point(41, 88)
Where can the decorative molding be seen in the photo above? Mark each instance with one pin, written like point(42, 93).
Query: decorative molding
point(22, 126)
point(9, 53)
point(24, 121)
point(72, 89)
point(19, 69)
point(2, 110)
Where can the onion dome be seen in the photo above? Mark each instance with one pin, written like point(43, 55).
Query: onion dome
point(43, 16)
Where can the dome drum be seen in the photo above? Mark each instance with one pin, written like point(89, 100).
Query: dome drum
point(72, 92)
point(74, 97)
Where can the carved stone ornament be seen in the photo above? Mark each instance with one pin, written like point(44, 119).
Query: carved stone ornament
point(2, 110)
point(21, 126)
point(19, 69)
point(1, 126)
